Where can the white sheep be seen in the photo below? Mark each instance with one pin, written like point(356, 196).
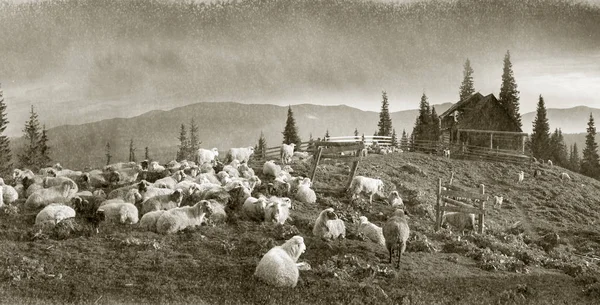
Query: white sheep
point(9, 193)
point(460, 221)
point(18, 175)
point(271, 169)
point(232, 169)
point(242, 154)
point(171, 181)
point(245, 171)
point(395, 201)
point(396, 233)
point(204, 156)
point(369, 186)
point(210, 177)
point(565, 176)
point(550, 162)
point(278, 210)
point(328, 226)
point(44, 197)
point(149, 220)
point(278, 266)
point(521, 176)
point(371, 231)
point(287, 152)
point(162, 202)
point(304, 193)
point(218, 214)
point(155, 167)
point(57, 181)
point(151, 191)
point(255, 208)
point(120, 212)
point(301, 155)
point(175, 220)
point(498, 201)
point(54, 213)
point(123, 191)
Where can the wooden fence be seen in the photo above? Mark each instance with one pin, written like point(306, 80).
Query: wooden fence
point(471, 152)
point(449, 200)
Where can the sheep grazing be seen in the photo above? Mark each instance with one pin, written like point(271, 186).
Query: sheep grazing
point(9, 193)
point(287, 152)
point(204, 156)
point(254, 208)
point(44, 197)
point(170, 182)
point(521, 176)
point(305, 193)
point(278, 267)
point(175, 220)
point(460, 221)
point(278, 210)
point(328, 226)
point(498, 201)
point(564, 176)
point(242, 154)
point(446, 153)
point(271, 169)
point(54, 213)
point(162, 202)
point(369, 186)
point(395, 201)
point(550, 163)
point(371, 231)
point(149, 220)
point(120, 212)
point(396, 232)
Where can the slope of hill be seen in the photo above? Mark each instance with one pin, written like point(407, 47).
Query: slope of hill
point(513, 263)
point(222, 125)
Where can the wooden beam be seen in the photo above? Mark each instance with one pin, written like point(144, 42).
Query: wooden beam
point(335, 144)
point(438, 211)
point(352, 173)
point(338, 149)
point(495, 132)
point(456, 202)
point(335, 156)
point(462, 194)
point(317, 159)
point(450, 208)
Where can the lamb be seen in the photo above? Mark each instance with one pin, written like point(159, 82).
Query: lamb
point(286, 152)
point(371, 231)
point(305, 193)
point(255, 208)
point(149, 220)
point(521, 176)
point(328, 226)
point(206, 156)
point(98, 178)
point(120, 212)
point(162, 202)
point(395, 201)
point(563, 176)
point(9, 193)
point(44, 197)
point(271, 169)
point(170, 182)
point(54, 213)
point(498, 200)
point(369, 186)
point(460, 221)
point(396, 232)
point(278, 267)
point(241, 154)
point(278, 210)
point(175, 220)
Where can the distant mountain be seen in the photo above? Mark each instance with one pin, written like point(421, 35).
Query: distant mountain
point(222, 125)
point(569, 120)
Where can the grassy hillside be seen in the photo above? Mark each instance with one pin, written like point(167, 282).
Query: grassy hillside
point(513, 263)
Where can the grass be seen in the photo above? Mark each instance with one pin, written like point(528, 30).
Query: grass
point(510, 264)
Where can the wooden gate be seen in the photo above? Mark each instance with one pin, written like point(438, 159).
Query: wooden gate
point(445, 203)
point(334, 150)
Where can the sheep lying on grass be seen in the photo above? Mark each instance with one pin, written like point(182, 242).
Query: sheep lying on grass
point(123, 191)
point(171, 181)
point(120, 212)
point(162, 202)
point(175, 220)
point(149, 220)
point(278, 267)
point(396, 232)
point(371, 231)
point(395, 201)
point(152, 191)
point(271, 169)
point(9, 193)
point(53, 214)
point(304, 193)
point(278, 210)
point(254, 208)
point(44, 197)
point(460, 221)
point(369, 186)
point(328, 226)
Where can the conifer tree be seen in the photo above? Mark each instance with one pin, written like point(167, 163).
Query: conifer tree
point(30, 153)
point(421, 130)
point(290, 132)
point(183, 144)
point(558, 149)
point(356, 134)
point(394, 141)
point(467, 87)
point(574, 158)
point(385, 121)
point(5, 154)
point(326, 135)
point(261, 146)
point(43, 150)
point(404, 140)
point(509, 95)
point(108, 155)
point(540, 136)
point(146, 153)
point(590, 164)
point(434, 129)
point(132, 151)
point(194, 142)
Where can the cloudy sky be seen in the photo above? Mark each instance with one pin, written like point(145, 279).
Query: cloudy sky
point(102, 59)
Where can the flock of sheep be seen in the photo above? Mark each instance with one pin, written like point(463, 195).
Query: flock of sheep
point(179, 195)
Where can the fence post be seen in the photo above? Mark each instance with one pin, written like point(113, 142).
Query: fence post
point(317, 159)
point(482, 211)
point(451, 178)
point(438, 220)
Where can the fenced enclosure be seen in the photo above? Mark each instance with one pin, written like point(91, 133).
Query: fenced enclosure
point(449, 200)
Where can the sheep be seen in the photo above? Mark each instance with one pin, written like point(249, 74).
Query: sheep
point(175, 220)
point(191, 172)
point(278, 266)
point(371, 231)
point(170, 182)
point(218, 214)
point(241, 154)
point(521, 176)
point(550, 163)
point(369, 186)
point(328, 226)
point(278, 210)
point(210, 177)
point(395, 201)
point(245, 171)
point(151, 191)
point(120, 212)
point(18, 175)
point(294, 183)
point(460, 221)
point(162, 202)
point(446, 153)
point(396, 232)
point(54, 194)
point(498, 201)
point(286, 152)
point(206, 168)
point(56, 181)
point(281, 187)
point(271, 169)
point(304, 193)
point(206, 156)
point(564, 176)
point(98, 178)
point(126, 172)
point(9, 193)
point(87, 209)
point(149, 220)
point(301, 155)
point(54, 213)
point(122, 191)
point(155, 167)
point(255, 208)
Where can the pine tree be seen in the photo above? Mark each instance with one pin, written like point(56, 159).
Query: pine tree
point(509, 95)
point(5, 154)
point(467, 87)
point(434, 129)
point(394, 141)
point(590, 164)
point(131, 151)
point(540, 138)
point(43, 150)
point(404, 140)
point(194, 142)
point(558, 149)
point(290, 132)
point(261, 146)
point(326, 135)
point(574, 158)
point(146, 153)
point(183, 144)
point(385, 121)
point(32, 136)
point(108, 155)
point(421, 131)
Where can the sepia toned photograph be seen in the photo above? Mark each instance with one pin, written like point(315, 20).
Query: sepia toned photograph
point(345, 152)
